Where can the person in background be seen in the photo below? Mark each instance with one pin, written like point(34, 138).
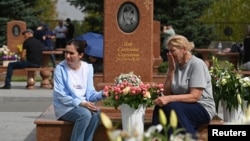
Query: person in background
point(45, 36)
point(31, 56)
point(39, 33)
point(167, 32)
point(48, 42)
point(246, 52)
point(60, 33)
point(74, 95)
point(187, 89)
point(96, 62)
point(71, 29)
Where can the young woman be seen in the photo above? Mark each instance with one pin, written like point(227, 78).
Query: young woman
point(74, 95)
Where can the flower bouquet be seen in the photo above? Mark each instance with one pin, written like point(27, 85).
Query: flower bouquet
point(230, 88)
point(132, 97)
point(7, 56)
point(228, 85)
point(129, 89)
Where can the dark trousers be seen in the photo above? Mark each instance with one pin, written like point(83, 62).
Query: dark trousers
point(17, 65)
point(190, 116)
point(60, 43)
point(52, 56)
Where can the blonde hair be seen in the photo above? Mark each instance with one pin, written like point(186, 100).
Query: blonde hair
point(180, 41)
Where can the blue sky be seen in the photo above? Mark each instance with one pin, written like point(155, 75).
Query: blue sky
point(66, 11)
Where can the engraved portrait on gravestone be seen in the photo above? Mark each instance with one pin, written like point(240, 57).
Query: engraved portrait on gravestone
point(16, 30)
point(128, 17)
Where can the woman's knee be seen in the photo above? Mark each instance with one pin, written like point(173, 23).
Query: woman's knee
point(84, 113)
point(170, 106)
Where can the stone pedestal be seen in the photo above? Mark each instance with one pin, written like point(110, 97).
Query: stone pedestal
point(128, 39)
point(14, 34)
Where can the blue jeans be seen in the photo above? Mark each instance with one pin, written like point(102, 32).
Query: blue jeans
point(85, 123)
point(52, 56)
point(17, 65)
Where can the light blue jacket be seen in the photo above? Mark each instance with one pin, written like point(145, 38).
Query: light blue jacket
point(63, 98)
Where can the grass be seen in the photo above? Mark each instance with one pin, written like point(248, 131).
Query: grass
point(24, 78)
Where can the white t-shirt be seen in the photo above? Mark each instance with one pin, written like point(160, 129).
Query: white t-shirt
point(78, 79)
point(60, 32)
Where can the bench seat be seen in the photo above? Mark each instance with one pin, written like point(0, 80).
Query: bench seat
point(203, 130)
point(45, 73)
point(49, 128)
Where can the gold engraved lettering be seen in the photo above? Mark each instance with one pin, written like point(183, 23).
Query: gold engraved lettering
point(127, 53)
point(127, 44)
point(147, 3)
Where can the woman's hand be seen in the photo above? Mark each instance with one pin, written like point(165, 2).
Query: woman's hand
point(161, 101)
point(171, 62)
point(89, 105)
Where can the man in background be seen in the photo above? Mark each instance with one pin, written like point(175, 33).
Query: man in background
point(60, 33)
point(71, 29)
point(31, 56)
point(167, 32)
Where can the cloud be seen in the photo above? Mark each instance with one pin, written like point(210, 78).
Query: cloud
point(65, 10)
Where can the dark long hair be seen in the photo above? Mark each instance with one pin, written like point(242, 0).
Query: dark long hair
point(79, 45)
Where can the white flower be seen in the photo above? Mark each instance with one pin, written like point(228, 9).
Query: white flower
point(223, 81)
point(239, 98)
point(147, 95)
point(115, 135)
point(5, 48)
point(130, 78)
point(152, 129)
point(5, 52)
point(182, 137)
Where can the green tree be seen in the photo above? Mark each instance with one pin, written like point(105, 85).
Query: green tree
point(47, 9)
point(94, 9)
point(16, 10)
point(223, 14)
point(184, 16)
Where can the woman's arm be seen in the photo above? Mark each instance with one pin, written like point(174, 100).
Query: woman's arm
point(170, 74)
point(91, 94)
point(193, 96)
point(197, 82)
point(168, 82)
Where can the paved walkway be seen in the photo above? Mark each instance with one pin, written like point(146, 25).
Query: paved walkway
point(19, 107)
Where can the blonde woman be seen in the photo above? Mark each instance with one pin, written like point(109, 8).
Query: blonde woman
point(188, 88)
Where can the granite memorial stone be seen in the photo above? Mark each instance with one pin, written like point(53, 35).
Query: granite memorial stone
point(128, 40)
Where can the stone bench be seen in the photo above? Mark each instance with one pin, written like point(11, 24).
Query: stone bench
point(48, 128)
point(45, 73)
point(244, 72)
point(203, 130)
